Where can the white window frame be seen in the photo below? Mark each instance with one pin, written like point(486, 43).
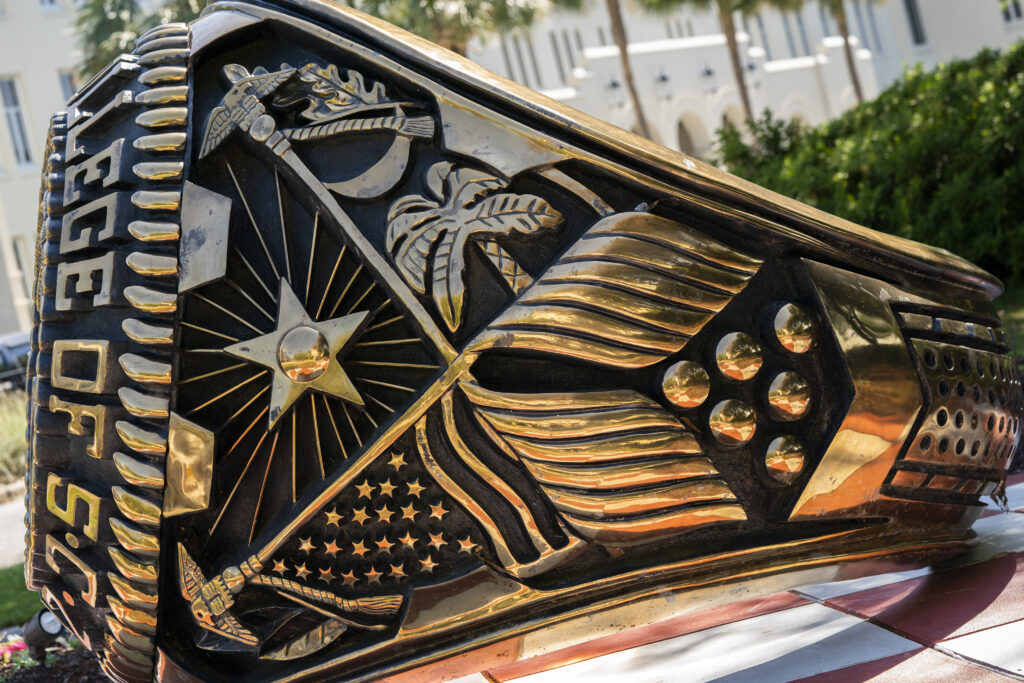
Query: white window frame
point(915, 23)
point(68, 86)
point(17, 124)
point(1013, 11)
point(19, 245)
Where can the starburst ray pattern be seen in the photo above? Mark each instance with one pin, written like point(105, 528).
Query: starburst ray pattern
point(298, 258)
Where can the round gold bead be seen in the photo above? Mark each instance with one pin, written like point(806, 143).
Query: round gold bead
point(794, 328)
point(686, 384)
point(303, 354)
point(733, 422)
point(789, 395)
point(738, 356)
point(785, 459)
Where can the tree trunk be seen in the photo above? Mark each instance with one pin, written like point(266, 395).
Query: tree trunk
point(844, 31)
point(729, 29)
point(619, 35)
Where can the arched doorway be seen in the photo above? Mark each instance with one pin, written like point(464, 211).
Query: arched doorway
point(692, 135)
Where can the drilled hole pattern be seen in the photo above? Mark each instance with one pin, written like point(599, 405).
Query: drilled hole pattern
point(973, 402)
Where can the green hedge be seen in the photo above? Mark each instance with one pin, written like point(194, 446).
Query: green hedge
point(938, 157)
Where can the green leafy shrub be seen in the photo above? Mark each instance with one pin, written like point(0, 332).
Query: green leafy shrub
point(938, 157)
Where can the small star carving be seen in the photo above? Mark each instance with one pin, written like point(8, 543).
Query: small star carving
point(279, 567)
point(332, 548)
point(360, 516)
point(360, 549)
point(373, 576)
point(384, 545)
point(384, 514)
point(397, 461)
point(428, 564)
point(437, 540)
point(306, 544)
point(326, 576)
point(415, 489)
point(349, 578)
point(409, 512)
point(301, 571)
point(397, 570)
point(387, 487)
point(333, 517)
point(466, 545)
point(408, 541)
point(365, 489)
point(438, 511)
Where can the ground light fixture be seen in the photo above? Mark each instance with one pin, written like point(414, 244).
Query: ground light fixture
point(40, 632)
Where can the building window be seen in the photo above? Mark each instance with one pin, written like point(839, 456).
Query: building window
point(568, 49)
point(861, 28)
point(558, 57)
point(874, 27)
point(600, 36)
point(518, 49)
point(914, 19)
point(68, 85)
point(49, 4)
point(508, 62)
point(764, 37)
point(533, 61)
point(15, 120)
point(803, 33)
point(823, 14)
point(20, 261)
point(1012, 10)
point(789, 35)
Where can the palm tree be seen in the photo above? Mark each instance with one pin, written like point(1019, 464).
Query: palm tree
point(838, 11)
point(618, 27)
point(453, 24)
point(107, 28)
point(726, 10)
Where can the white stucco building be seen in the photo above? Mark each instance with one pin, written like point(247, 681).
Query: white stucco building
point(37, 65)
point(794, 65)
point(794, 61)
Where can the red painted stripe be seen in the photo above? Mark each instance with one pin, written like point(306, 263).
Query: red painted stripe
point(946, 604)
point(916, 665)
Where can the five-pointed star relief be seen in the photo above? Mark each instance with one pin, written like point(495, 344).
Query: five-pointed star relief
point(303, 354)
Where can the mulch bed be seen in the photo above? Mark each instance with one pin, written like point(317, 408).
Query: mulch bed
point(69, 666)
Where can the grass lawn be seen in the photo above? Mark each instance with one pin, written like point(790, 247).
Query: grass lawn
point(17, 603)
point(12, 435)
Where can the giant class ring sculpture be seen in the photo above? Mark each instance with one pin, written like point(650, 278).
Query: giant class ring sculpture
point(350, 356)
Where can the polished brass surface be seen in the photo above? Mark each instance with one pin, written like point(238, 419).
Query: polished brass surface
point(785, 459)
point(408, 360)
point(302, 354)
point(789, 395)
point(189, 467)
point(738, 356)
point(686, 384)
point(794, 328)
point(733, 422)
point(887, 401)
